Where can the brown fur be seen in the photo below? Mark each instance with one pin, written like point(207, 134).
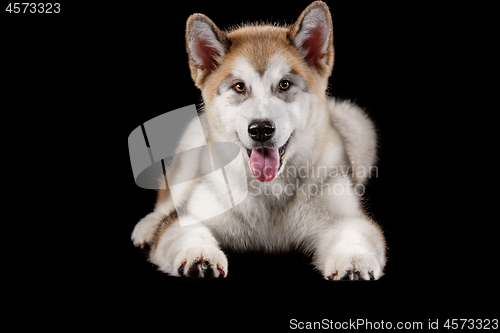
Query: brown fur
point(163, 193)
point(258, 43)
point(164, 224)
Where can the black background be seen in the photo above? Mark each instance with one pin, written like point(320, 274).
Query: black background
point(75, 84)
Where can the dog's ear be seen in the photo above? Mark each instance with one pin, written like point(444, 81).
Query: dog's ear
point(206, 46)
point(312, 35)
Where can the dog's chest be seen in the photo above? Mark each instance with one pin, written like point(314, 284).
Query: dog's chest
point(265, 224)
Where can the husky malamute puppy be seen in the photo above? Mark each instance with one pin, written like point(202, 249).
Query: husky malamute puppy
point(306, 156)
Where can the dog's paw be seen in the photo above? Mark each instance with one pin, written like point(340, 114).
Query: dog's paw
point(145, 229)
point(202, 263)
point(352, 262)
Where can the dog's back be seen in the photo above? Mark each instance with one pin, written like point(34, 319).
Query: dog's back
point(359, 137)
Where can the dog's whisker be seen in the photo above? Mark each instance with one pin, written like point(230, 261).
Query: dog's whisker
point(241, 115)
point(282, 114)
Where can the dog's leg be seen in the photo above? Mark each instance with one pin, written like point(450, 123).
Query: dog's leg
point(145, 229)
point(190, 251)
point(349, 245)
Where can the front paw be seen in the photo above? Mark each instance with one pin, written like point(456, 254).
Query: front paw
point(202, 263)
point(352, 262)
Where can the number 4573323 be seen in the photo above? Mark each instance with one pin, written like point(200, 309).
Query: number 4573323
point(31, 7)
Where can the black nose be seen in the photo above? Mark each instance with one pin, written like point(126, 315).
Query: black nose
point(261, 130)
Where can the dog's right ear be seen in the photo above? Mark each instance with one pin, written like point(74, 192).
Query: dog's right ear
point(206, 47)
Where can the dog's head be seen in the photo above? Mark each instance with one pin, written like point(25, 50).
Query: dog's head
point(260, 82)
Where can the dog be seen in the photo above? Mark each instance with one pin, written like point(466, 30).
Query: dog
point(307, 156)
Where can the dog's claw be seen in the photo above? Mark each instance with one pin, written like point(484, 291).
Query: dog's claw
point(351, 275)
point(181, 268)
point(141, 245)
point(209, 271)
point(221, 271)
point(194, 270)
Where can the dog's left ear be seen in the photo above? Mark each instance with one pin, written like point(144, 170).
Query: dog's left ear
point(312, 35)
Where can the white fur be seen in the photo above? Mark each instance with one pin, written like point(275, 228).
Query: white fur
point(359, 137)
point(145, 229)
point(187, 244)
point(316, 213)
point(261, 105)
point(331, 225)
point(352, 244)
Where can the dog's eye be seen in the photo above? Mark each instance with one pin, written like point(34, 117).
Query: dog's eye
point(284, 84)
point(239, 87)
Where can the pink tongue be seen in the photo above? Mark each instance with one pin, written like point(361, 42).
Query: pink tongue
point(265, 163)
